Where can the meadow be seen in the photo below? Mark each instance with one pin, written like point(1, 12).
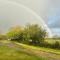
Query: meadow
point(51, 41)
point(12, 51)
point(17, 51)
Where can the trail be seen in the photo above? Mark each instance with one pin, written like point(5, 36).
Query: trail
point(29, 50)
point(50, 56)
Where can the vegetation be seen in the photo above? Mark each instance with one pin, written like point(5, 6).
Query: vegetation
point(2, 37)
point(12, 51)
point(15, 33)
point(34, 34)
point(52, 43)
point(17, 51)
point(31, 34)
point(46, 48)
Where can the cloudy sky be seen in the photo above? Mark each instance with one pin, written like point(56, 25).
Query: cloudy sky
point(20, 12)
point(54, 16)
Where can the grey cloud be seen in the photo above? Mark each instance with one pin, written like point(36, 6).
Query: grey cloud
point(39, 6)
point(12, 15)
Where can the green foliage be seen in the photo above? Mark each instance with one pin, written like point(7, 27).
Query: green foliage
point(33, 34)
point(15, 33)
point(30, 34)
point(55, 45)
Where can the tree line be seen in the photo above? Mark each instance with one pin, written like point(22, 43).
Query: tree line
point(32, 34)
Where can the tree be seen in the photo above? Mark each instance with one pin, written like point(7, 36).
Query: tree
point(29, 34)
point(34, 33)
point(15, 33)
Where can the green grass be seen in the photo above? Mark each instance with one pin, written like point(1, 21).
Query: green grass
point(50, 54)
point(54, 51)
point(17, 51)
point(51, 41)
point(13, 53)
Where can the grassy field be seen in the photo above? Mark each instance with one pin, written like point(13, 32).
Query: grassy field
point(52, 40)
point(12, 51)
point(17, 51)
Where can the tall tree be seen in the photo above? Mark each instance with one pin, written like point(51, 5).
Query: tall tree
point(34, 33)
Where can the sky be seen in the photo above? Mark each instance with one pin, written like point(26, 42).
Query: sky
point(20, 12)
point(54, 16)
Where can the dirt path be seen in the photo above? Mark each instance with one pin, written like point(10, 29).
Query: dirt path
point(29, 50)
point(50, 56)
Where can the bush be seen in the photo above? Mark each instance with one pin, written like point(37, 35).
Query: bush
point(56, 45)
point(34, 33)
